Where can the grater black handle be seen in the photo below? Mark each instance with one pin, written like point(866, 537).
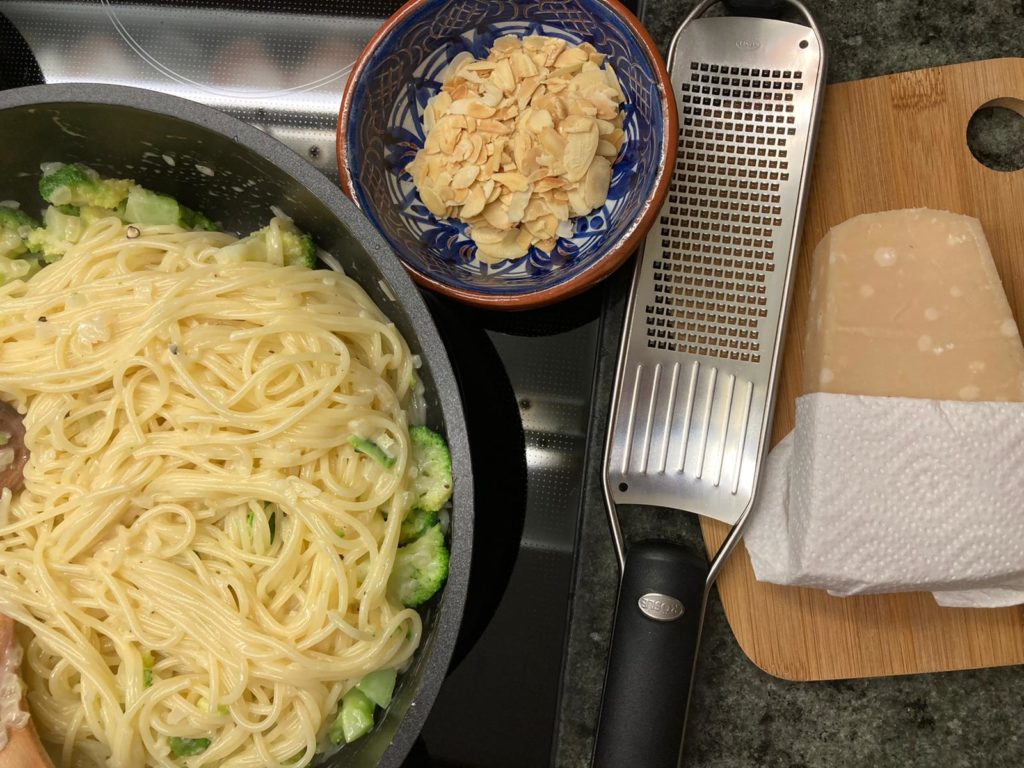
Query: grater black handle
point(650, 667)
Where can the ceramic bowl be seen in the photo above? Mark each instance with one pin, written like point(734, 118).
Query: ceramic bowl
point(380, 129)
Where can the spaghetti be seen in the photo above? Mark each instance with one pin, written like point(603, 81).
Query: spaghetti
point(199, 553)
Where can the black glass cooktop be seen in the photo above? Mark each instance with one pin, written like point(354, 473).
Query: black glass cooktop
point(526, 377)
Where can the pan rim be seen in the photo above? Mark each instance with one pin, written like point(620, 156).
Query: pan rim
point(439, 643)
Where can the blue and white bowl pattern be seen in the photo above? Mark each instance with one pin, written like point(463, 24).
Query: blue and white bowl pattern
point(404, 72)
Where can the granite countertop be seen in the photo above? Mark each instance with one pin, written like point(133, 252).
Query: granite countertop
point(741, 716)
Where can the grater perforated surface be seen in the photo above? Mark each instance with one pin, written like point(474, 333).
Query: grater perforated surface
point(719, 228)
point(697, 366)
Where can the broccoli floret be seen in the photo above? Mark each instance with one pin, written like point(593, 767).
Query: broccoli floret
point(299, 248)
point(420, 569)
point(280, 242)
point(15, 260)
point(90, 214)
point(63, 227)
point(416, 523)
point(183, 747)
point(17, 269)
point(371, 449)
point(355, 718)
point(15, 226)
point(147, 669)
point(59, 231)
point(432, 484)
point(379, 686)
point(147, 207)
point(78, 184)
point(195, 220)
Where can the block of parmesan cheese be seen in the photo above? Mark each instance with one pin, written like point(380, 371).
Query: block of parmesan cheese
point(909, 304)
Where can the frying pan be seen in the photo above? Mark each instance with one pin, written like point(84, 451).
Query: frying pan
point(234, 173)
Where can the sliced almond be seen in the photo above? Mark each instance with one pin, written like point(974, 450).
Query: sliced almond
point(474, 203)
point(507, 44)
point(525, 90)
point(515, 181)
point(491, 95)
point(432, 201)
point(461, 90)
point(616, 138)
point(546, 226)
point(465, 176)
point(548, 183)
point(536, 208)
point(587, 81)
point(507, 112)
point(553, 48)
point(613, 81)
point(479, 154)
point(553, 141)
point(471, 105)
point(497, 216)
point(530, 166)
point(493, 126)
point(577, 124)
point(570, 57)
point(522, 65)
point(560, 209)
point(595, 184)
point(511, 246)
point(517, 206)
point(583, 107)
point(606, 108)
point(478, 109)
point(580, 149)
point(520, 141)
point(458, 60)
point(488, 235)
point(521, 144)
point(491, 166)
point(432, 144)
point(464, 149)
point(562, 75)
point(577, 202)
point(538, 120)
point(502, 76)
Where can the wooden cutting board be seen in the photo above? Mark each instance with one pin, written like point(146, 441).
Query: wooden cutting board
point(897, 141)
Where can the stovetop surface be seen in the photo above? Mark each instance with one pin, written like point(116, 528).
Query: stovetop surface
point(282, 65)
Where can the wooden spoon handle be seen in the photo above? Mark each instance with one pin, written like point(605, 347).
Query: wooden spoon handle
point(23, 750)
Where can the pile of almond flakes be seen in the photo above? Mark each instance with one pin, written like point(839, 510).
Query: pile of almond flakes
point(519, 142)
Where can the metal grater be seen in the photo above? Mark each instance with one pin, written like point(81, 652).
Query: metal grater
point(706, 316)
point(695, 386)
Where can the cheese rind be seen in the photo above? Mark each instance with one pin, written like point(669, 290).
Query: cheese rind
point(908, 303)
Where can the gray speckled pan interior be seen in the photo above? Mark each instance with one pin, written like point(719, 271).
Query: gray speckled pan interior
point(234, 173)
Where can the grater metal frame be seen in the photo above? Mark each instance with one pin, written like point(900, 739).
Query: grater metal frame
point(707, 84)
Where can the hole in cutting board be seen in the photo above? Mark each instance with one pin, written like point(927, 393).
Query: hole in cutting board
point(995, 134)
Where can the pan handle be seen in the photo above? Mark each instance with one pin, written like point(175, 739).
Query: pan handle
point(654, 649)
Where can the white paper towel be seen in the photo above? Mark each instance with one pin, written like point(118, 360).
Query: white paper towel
point(889, 494)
